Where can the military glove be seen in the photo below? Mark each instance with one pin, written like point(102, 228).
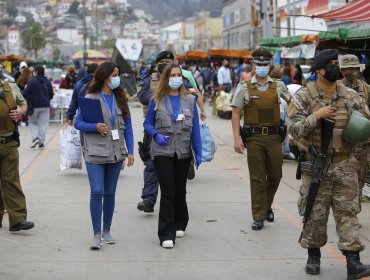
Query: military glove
point(161, 140)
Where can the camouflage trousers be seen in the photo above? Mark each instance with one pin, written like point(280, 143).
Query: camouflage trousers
point(339, 191)
point(361, 154)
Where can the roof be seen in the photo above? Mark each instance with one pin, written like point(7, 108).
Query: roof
point(357, 10)
point(316, 6)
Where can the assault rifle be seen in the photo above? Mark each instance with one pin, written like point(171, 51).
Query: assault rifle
point(318, 168)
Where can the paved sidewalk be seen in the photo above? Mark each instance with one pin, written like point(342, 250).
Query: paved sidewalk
point(219, 243)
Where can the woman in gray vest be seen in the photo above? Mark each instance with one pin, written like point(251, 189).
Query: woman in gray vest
point(173, 122)
point(104, 147)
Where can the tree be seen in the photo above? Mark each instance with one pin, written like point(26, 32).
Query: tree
point(73, 9)
point(34, 38)
point(11, 8)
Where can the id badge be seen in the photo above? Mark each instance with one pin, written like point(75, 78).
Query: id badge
point(115, 134)
point(180, 117)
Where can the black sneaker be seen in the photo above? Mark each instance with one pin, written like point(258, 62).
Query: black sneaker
point(145, 206)
point(41, 146)
point(34, 143)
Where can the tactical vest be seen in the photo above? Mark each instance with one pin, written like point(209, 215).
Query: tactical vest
point(7, 125)
point(179, 132)
point(263, 108)
point(153, 86)
point(337, 145)
point(103, 149)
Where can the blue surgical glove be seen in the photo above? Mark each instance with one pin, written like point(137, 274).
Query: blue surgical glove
point(161, 140)
point(198, 160)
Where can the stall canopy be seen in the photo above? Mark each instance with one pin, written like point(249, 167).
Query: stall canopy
point(357, 10)
point(215, 54)
point(340, 38)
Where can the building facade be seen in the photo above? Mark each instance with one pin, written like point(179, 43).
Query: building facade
point(208, 32)
point(237, 25)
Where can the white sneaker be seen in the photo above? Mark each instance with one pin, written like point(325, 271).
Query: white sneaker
point(167, 244)
point(180, 233)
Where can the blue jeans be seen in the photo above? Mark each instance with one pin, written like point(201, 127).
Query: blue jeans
point(103, 182)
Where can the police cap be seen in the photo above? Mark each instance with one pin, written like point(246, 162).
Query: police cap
point(323, 58)
point(262, 55)
point(164, 55)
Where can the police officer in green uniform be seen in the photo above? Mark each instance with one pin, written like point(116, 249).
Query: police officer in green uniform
point(260, 98)
point(328, 98)
point(12, 106)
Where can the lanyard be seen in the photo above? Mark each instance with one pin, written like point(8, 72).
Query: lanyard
point(173, 115)
point(112, 112)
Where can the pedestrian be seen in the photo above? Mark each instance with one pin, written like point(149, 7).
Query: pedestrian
point(21, 82)
point(350, 68)
point(224, 76)
point(105, 147)
point(247, 73)
point(80, 90)
point(146, 88)
point(39, 91)
point(259, 98)
point(22, 65)
point(328, 98)
point(71, 78)
point(172, 120)
point(286, 76)
point(81, 71)
point(12, 106)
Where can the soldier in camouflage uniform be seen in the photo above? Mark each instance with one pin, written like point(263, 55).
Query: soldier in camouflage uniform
point(350, 68)
point(329, 99)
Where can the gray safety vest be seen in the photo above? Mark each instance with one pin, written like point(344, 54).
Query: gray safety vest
point(102, 149)
point(179, 131)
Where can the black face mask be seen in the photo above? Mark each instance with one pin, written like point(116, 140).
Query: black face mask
point(332, 73)
point(160, 67)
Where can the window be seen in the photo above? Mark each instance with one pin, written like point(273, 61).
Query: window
point(237, 38)
point(232, 19)
point(227, 20)
point(242, 15)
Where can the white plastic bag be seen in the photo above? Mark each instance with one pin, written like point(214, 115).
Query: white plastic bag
point(70, 149)
point(209, 146)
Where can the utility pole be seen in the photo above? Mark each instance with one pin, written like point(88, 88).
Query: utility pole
point(293, 12)
point(85, 31)
point(288, 16)
point(96, 25)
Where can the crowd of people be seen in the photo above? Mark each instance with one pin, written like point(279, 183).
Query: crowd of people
point(171, 95)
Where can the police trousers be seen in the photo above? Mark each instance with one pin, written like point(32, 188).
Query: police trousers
point(14, 199)
point(265, 162)
point(339, 191)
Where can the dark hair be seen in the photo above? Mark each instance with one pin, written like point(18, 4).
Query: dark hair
point(286, 71)
point(101, 74)
point(91, 68)
point(40, 70)
point(24, 77)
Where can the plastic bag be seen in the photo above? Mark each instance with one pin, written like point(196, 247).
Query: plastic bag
point(70, 149)
point(209, 146)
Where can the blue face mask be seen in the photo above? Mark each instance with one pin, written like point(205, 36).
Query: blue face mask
point(262, 71)
point(115, 82)
point(175, 82)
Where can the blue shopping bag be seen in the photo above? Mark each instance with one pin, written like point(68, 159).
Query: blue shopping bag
point(209, 146)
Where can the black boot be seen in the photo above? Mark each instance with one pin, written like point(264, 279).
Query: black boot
point(313, 262)
point(355, 269)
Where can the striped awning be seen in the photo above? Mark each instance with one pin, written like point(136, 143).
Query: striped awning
point(356, 10)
